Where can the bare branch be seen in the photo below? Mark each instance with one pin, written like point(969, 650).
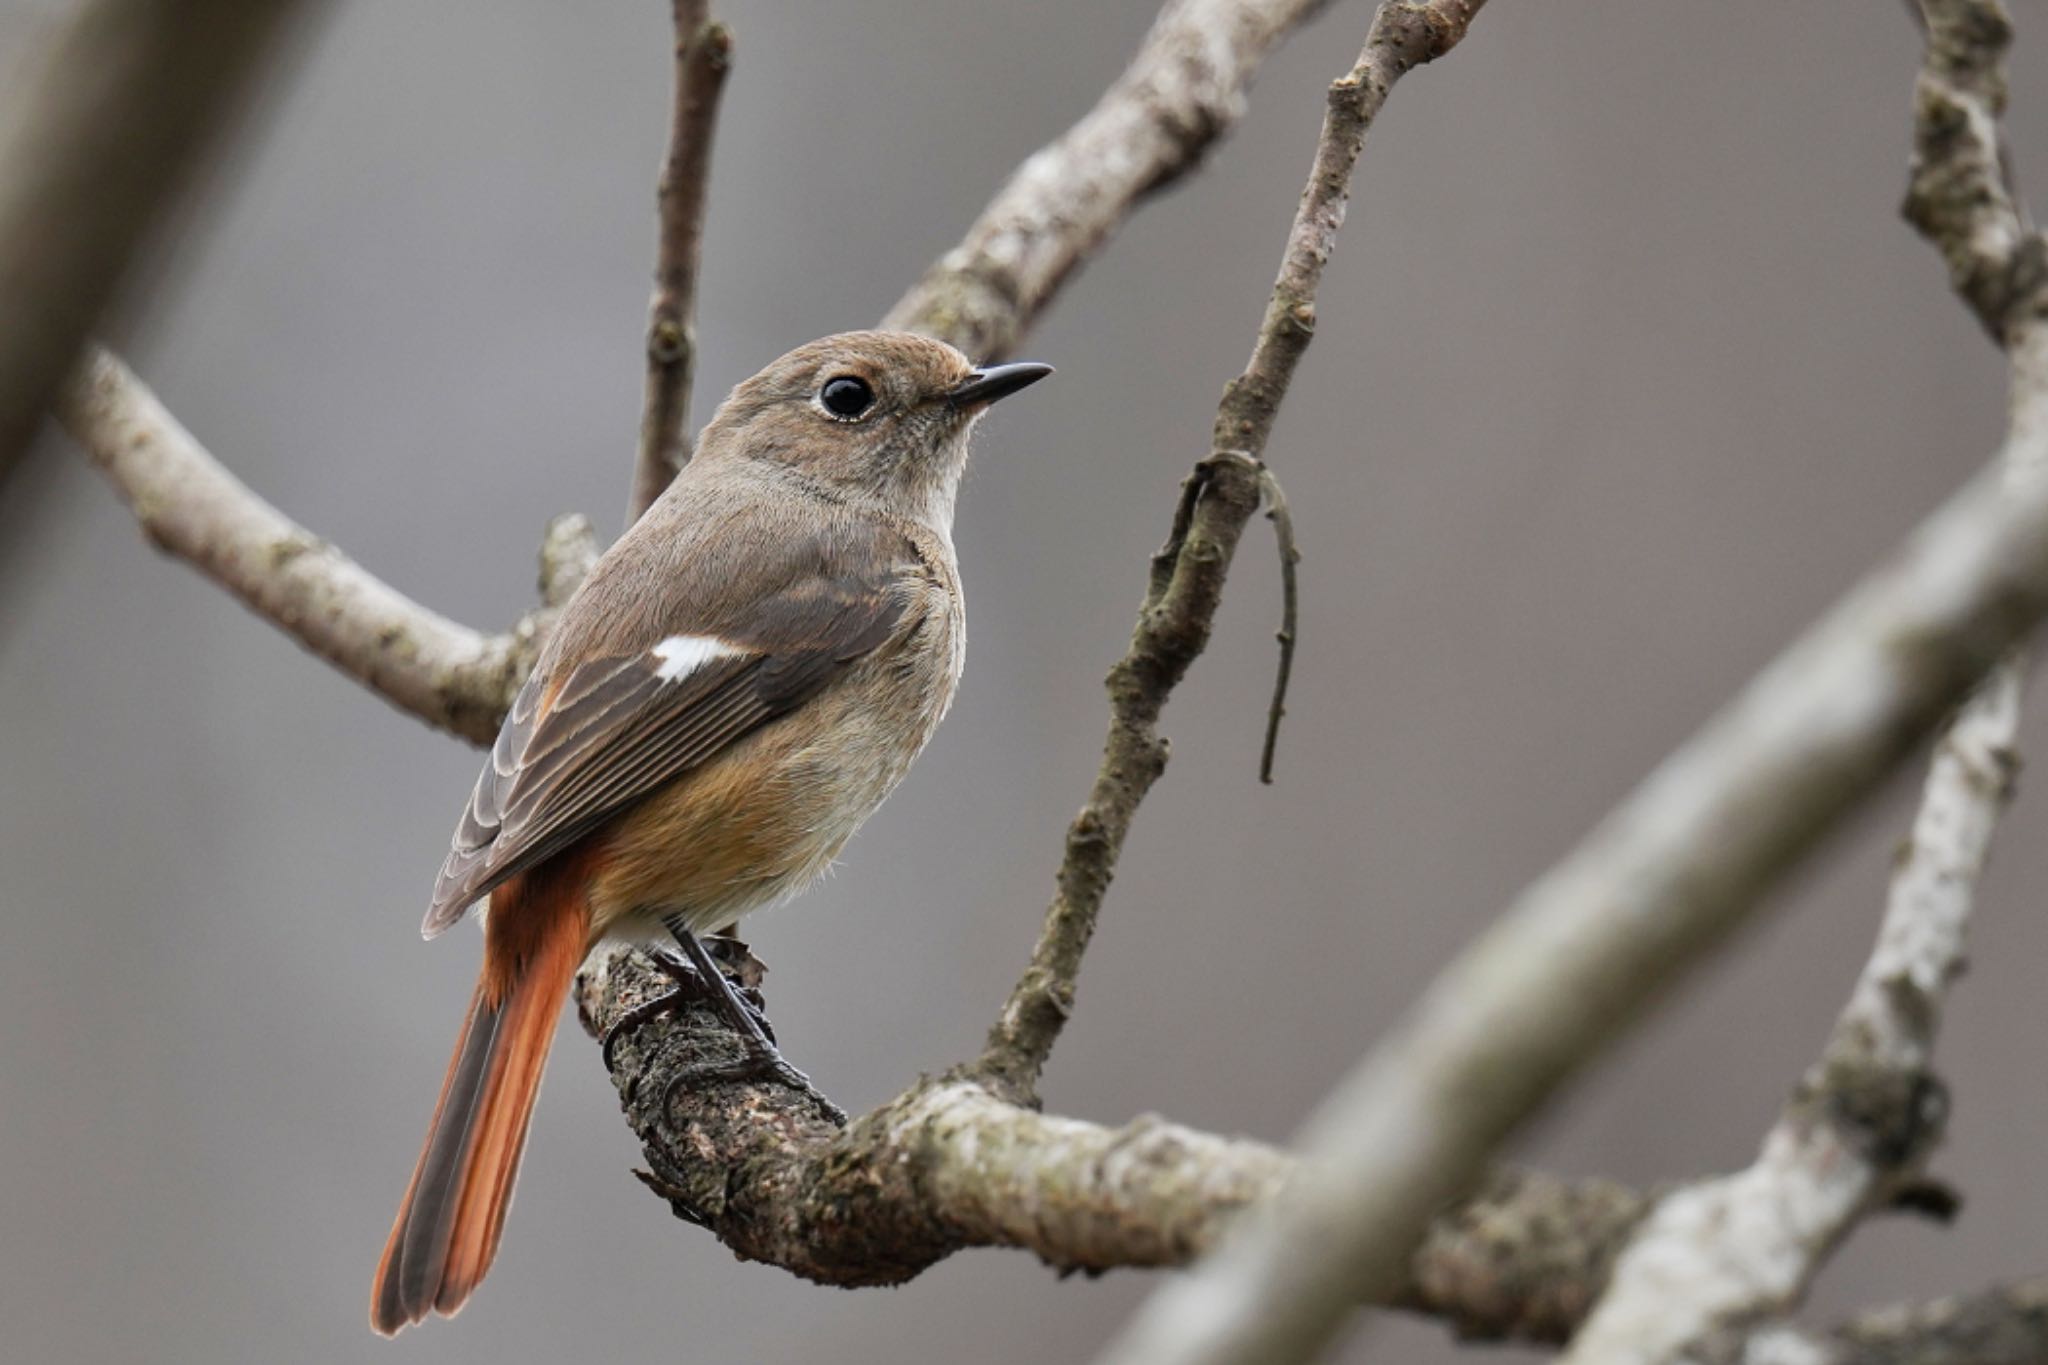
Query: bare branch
point(1182, 91)
point(950, 1164)
point(189, 506)
point(1188, 572)
point(703, 55)
point(96, 142)
point(1860, 1126)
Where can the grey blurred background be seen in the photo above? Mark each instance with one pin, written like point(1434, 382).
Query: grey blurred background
point(1627, 366)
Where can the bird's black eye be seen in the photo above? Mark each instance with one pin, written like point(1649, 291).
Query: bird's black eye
point(846, 396)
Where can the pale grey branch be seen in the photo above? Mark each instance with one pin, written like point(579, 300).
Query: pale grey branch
point(190, 506)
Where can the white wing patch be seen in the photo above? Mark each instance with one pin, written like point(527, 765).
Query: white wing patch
point(682, 655)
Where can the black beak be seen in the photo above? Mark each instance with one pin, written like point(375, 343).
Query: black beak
point(991, 382)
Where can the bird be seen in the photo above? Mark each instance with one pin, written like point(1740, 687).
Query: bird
point(737, 685)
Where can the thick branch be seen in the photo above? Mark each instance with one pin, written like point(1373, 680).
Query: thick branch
point(1188, 573)
point(950, 1164)
point(190, 506)
point(1856, 1133)
point(98, 137)
point(703, 55)
point(1182, 91)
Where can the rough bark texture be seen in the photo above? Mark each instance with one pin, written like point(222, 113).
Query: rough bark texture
point(951, 1164)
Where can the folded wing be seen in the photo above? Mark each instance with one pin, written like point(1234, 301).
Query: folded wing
point(574, 753)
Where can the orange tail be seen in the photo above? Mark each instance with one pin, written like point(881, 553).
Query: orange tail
point(448, 1225)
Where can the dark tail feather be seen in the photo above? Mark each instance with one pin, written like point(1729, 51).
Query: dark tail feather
point(448, 1225)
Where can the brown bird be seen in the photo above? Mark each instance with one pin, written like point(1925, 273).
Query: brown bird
point(742, 679)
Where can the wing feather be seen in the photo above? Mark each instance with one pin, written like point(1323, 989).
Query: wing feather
point(620, 726)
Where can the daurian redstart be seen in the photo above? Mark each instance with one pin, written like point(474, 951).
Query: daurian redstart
point(741, 680)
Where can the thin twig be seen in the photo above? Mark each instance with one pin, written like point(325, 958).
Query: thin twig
point(1183, 90)
point(1187, 576)
point(1282, 518)
point(102, 130)
point(703, 55)
point(190, 506)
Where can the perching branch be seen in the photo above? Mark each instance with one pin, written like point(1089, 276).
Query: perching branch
point(1188, 572)
point(1182, 91)
point(950, 1165)
point(191, 507)
point(102, 131)
point(703, 55)
point(1854, 1136)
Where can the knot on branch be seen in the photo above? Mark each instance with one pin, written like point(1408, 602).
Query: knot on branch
point(667, 343)
point(1421, 30)
point(1893, 1118)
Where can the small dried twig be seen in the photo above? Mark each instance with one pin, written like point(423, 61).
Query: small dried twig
point(190, 506)
point(100, 133)
point(1282, 518)
point(703, 56)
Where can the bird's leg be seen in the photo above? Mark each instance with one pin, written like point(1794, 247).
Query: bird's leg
point(687, 990)
point(690, 988)
point(762, 1059)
